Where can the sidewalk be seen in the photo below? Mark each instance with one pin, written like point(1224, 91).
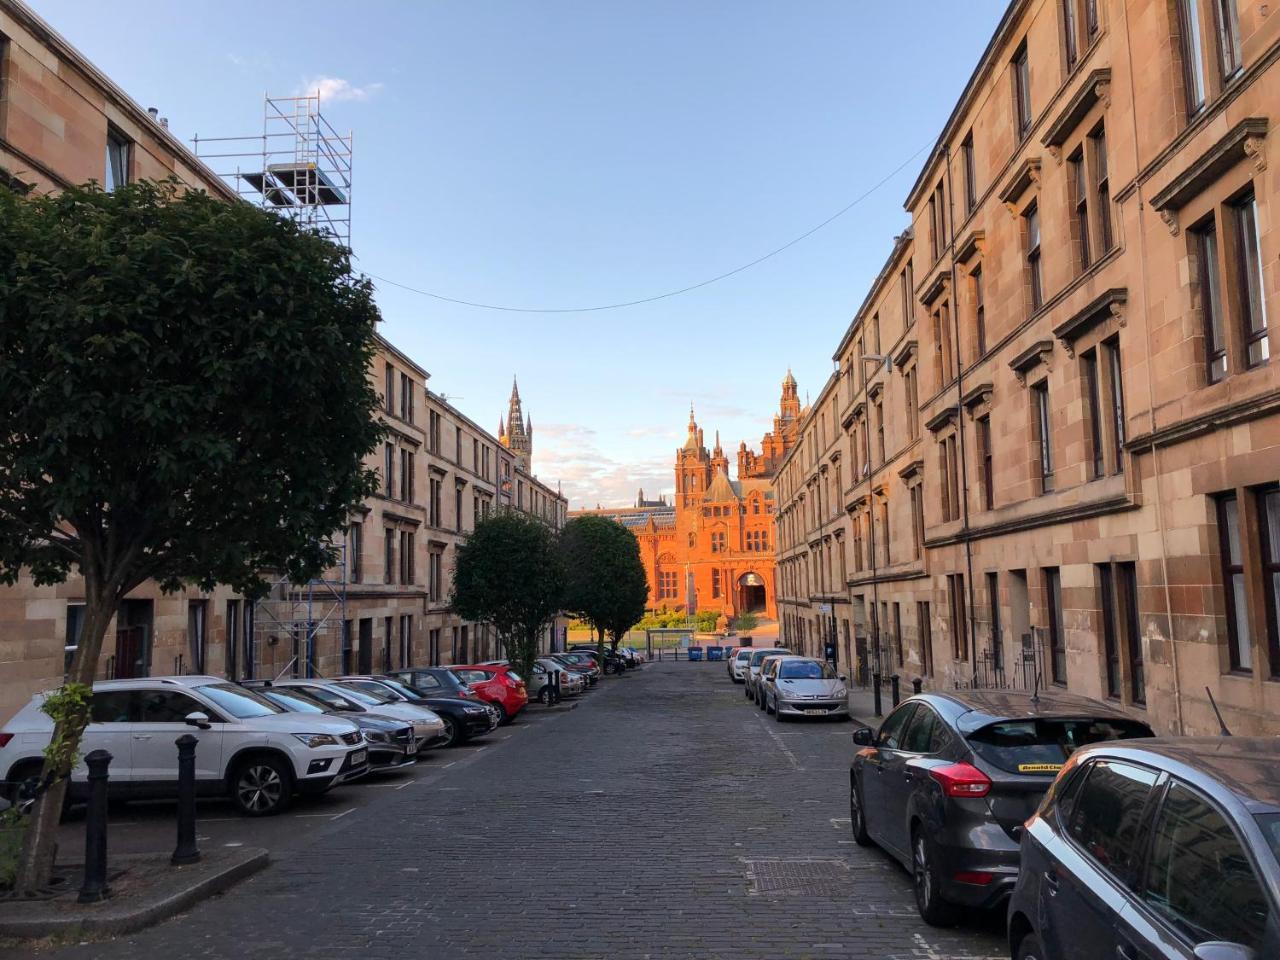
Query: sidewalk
point(862, 703)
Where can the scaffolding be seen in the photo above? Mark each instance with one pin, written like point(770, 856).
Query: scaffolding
point(299, 166)
point(301, 628)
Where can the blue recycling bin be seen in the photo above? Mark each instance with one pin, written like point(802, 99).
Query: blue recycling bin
point(715, 653)
point(695, 653)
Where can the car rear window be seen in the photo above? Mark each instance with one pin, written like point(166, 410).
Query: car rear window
point(1042, 746)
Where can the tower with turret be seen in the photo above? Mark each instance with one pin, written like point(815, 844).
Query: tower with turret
point(518, 436)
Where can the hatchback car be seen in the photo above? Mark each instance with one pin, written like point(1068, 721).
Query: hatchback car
point(1155, 850)
point(762, 675)
point(752, 668)
point(436, 681)
point(804, 687)
point(249, 748)
point(463, 719)
point(428, 727)
point(738, 663)
point(500, 686)
point(949, 779)
point(571, 684)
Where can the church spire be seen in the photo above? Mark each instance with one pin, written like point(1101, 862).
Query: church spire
point(519, 429)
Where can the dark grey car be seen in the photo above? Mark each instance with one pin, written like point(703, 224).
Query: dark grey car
point(947, 782)
point(1155, 850)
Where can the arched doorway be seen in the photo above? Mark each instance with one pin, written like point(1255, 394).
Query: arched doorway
point(751, 598)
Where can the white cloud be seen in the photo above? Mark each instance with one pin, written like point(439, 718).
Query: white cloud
point(336, 89)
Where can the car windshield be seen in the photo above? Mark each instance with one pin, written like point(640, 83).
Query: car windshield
point(1270, 824)
point(240, 703)
point(401, 688)
point(295, 701)
point(805, 670)
point(761, 654)
point(332, 698)
point(1042, 746)
point(743, 655)
point(367, 691)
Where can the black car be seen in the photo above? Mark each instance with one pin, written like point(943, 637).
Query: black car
point(613, 662)
point(464, 719)
point(1155, 850)
point(949, 779)
point(435, 681)
point(391, 742)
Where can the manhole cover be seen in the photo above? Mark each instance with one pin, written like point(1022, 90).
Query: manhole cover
point(787, 878)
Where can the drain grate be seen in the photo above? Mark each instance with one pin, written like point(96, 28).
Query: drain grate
point(795, 878)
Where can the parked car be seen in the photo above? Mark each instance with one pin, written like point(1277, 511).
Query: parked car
point(584, 663)
point(571, 684)
point(762, 675)
point(500, 686)
point(946, 783)
point(249, 748)
point(436, 681)
point(428, 726)
point(637, 655)
point(1155, 850)
point(391, 743)
point(613, 662)
point(464, 719)
point(739, 662)
point(573, 680)
point(753, 668)
point(804, 687)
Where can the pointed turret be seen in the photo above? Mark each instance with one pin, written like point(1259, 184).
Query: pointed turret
point(519, 430)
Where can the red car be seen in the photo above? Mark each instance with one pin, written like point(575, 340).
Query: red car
point(498, 684)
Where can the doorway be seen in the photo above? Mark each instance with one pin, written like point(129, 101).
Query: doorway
point(133, 639)
point(751, 595)
point(364, 653)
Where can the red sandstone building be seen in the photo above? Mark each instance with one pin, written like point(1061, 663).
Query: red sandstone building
point(712, 546)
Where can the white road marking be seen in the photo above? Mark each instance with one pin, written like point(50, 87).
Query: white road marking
point(405, 784)
point(344, 813)
point(841, 822)
point(449, 764)
point(795, 764)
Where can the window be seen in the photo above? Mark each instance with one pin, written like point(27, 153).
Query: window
point(1192, 53)
point(406, 398)
point(667, 585)
point(406, 640)
point(389, 555)
point(434, 565)
point(1035, 282)
point(715, 583)
point(1091, 17)
point(894, 727)
point(1110, 642)
point(1022, 92)
point(993, 617)
point(1115, 385)
point(906, 284)
point(1131, 629)
point(1205, 243)
point(1199, 877)
point(1057, 640)
point(885, 538)
point(938, 221)
point(433, 431)
point(950, 478)
point(946, 366)
point(878, 407)
point(1229, 53)
point(1093, 411)
point(119, 153)
point(389, 389)
point(979, 311)
point(985, 462)
point(718, 542)
point(1080, 200)
point(1041, 434)
point(970, 174)
point(917, 520)
point(1069, 27)
point(434, 506)
point(406, 557)
point(355, 552)
point(911, 392)
point(1102, 188)
point(1107, 813)
point(166, 706)
point(1253, 310)
point(956, 611)
point(457, 445)
point(406, 476)
point(388, 470)
point(925, 627)
point(1239, 639)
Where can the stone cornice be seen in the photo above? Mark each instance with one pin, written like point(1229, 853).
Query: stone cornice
point(1243, 140)
point(1096, 87)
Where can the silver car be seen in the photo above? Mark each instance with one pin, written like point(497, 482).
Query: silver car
point(804, 687)
point(752, 670)
point(767, 666)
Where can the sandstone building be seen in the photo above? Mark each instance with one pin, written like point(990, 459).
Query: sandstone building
point(1052, 446)
point(63, 122)
point(712, 547)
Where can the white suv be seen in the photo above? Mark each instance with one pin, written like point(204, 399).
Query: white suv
point(249, 748)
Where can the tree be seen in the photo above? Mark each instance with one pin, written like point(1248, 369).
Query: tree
point(605, 581)
point(185, 398)
point(508, 573)
point(745, 622)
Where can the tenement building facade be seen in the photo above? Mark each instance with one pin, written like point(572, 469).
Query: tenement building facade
point(712, 547)
point(1051, 452)
point(63, 122)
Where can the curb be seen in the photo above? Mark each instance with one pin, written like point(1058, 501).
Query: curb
point(117, 919)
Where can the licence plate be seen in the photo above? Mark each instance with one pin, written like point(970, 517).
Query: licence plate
point(815, 711)
point(358, 757)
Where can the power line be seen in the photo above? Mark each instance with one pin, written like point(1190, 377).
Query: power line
point(670, 293)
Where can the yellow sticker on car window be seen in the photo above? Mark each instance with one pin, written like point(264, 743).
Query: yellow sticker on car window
point(1039, 767)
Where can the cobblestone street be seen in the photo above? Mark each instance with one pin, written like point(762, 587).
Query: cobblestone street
point(664, 818)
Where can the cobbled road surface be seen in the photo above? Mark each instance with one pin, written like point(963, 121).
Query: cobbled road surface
point(664, 818)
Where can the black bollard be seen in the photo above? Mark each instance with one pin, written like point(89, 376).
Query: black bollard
point(555, 686)
point(894, 686)
point(875, 686)
point(94, 887)
point(917, 684)
point(186, 851)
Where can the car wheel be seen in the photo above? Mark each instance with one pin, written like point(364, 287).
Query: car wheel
point(777, 714)
point(452, 734)
point(770, 706)
point(746, 690)
point(503, 717)
point(262, 786)
point(544, 695)
point(934, 910)
point(1029, 948)
point(857, 819)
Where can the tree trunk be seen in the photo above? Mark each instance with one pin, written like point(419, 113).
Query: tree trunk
point(39, 847)
point(600, 645)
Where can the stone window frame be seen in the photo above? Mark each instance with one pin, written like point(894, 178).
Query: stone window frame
point(912, 476)
point(1120, 626)
point(969, 264)
point(945, 427)
point(1214, 71)
point(907, 362)
point(1021, 196)
point(1032, 368)
point(1259, 559)
point(1095, 329)
point(977, 406)
point(1079, 27)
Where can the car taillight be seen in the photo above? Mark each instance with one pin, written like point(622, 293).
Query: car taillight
point(979, 877)
point(5, 738)
point(962, 780)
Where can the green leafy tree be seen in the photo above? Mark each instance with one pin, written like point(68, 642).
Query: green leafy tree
point(605, 581)
point(185, 398)
point(508, 573)
point(745, 622)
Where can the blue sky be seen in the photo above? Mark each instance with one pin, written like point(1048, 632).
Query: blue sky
point(568, 153)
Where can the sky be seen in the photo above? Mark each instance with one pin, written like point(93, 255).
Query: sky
point(576, 153)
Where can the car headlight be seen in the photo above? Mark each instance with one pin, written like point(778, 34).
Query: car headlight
point(475, 711)
point(376, 736)
point(314, 740)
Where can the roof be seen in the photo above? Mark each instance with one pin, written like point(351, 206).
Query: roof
point(721, 489)
point(990, 706)
point(1249, 767)
point(197, 680)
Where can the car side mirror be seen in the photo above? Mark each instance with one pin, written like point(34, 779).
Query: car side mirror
point(1222, 950)
point(843, 678)
point(198, 719)
point(862, 737)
